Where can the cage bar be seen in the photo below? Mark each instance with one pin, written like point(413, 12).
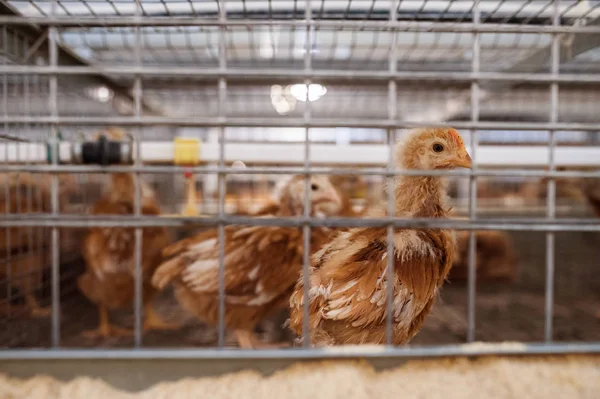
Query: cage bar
point(161, 152)
point(222, 110)
point(151, 67)
point(138, 310)
point(53, 105)
point(391, 181)
point(551, 189)
point(306, 228)
point(472, 275)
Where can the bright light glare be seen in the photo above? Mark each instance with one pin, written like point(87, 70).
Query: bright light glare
point(282, 100)
point(100, 93)
point(315, 91)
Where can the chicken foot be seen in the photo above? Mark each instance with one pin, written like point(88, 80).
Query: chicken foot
point(105, 329)
point(154, 322)
point(247, 340)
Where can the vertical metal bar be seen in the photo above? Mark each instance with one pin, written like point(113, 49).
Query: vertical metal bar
point(471, 282)
point(53, 104)
point(34, 274)
point(551, 208)
point(306, 228)
point(138, 272)
point(6, 184)
point(391, 181)
point(222, 112)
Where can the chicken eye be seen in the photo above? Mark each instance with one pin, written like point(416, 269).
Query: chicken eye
point(314, 187)
point(438, 147)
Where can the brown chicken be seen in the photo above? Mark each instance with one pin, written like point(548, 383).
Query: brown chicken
point(348, 281)
point(496, 259)
point(262, 263)
point(349, 187)
point(26, 250)
point(109, 254)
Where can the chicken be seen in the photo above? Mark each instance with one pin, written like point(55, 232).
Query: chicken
point(262, 263)
point(26, 249)
point(348, 280)
point(496, 259)
point(349, 187)
point(109, 253)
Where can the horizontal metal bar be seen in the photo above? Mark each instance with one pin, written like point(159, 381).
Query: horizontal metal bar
point(290, 122)
point(521, 224)
point(400, 26)
point(279, 73)
point(162, 152)
point(151, 169)
point(367, 351)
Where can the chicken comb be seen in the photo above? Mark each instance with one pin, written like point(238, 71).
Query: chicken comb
point(455, 136)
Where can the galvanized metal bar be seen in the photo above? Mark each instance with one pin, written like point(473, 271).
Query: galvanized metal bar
point(53, 105)
point(138, 311)
point(8, 268)
point(551, 193)
point(291, 122)
point(307, 203)
point(222, 112)
point(322, 154)
point(235, 74)
point(508, 224)
point(472, 276)
point(400, 25)
point(82, 169)
point(335, 352)
point(390, 276)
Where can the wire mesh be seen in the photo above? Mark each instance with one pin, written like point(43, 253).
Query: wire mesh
point(505, 73)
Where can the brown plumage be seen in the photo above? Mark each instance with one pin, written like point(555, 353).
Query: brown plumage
point(109, 254)
point(591, 191)
point(262, 263)
point(496, 259)
point(348, 281)
point(27, 247)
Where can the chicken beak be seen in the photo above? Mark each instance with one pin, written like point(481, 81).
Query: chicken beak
point(463, 161)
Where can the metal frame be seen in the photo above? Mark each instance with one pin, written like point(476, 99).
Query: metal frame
point(143, 117)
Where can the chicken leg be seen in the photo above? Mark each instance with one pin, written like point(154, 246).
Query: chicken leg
point(154, 322)
point(35, 308)
point(105, 329)
point(247, 340)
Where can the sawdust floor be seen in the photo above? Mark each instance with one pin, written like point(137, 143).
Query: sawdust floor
point(504, 313)
point(566, 377)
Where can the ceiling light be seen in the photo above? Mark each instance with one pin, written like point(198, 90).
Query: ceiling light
point(314, 90)
point(100, 93)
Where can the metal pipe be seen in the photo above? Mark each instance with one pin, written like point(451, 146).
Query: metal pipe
point(53, 105)
point(76, 169)
point(335, 352)
point(73, 21)
point(472, 276)
point(290, 122)
point(222, 111)
point(270, 74)
point(551, 193)
point(156, 152)
point(138, 248)
point(307, 204)
point(507, 224)
point(391, 180)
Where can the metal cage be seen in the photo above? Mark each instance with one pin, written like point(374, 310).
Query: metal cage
point(291, 87)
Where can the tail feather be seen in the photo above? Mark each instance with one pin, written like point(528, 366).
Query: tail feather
point(166, 272)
